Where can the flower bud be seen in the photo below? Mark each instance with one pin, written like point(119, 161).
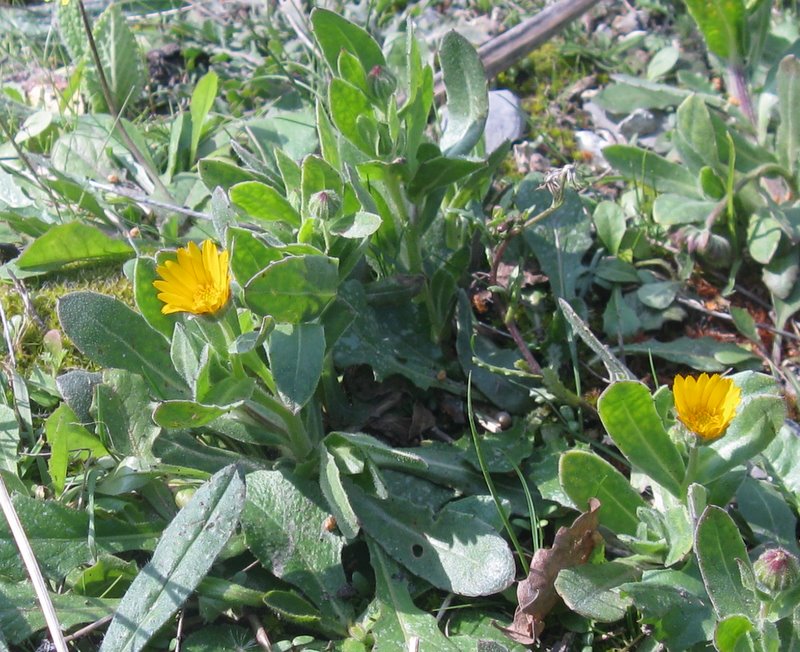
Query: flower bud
point(777, 569)
point(183, 496)
point(324, 205)
point(381, 83)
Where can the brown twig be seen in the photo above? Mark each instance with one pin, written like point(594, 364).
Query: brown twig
point(88, 629)
point(501, 52)
point(261, 633)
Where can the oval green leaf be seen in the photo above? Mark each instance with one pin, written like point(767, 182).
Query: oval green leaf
point(295, 289)
point(113, 335)
point(584, 475)
point(719, 546)
point(629, 415)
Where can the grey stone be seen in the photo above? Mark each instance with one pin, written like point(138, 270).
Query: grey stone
point(506, 119)
point(639, 123)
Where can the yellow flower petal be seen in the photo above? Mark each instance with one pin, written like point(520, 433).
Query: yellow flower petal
point(197, 282)
point(706, 405)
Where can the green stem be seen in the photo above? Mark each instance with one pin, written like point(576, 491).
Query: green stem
point(691, 469)
point(298, 440)
point(490, 483)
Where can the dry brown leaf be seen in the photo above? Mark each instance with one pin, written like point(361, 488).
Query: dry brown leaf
point(536, 594)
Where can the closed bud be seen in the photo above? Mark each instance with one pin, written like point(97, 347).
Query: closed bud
point(324, 205)
point(381, 83)
point(777, 569)
point(183, 496)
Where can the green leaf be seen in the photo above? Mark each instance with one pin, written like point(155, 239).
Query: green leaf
point(296, 353)
point(609, 220)
point(658, 295)
point(731, 634)
point(330, 482)
point(58, 536)
point(174, 415)
point(113, 335)
point(263, 202)
point(643, 166)
point(69, 441)
point(759, 416)
point(121, 59)
point(9, 439)
point(73, 242)
point(560, 241)
point(334, 34)
point(400, 623)
point(788, 136)
point(465, 556)
point(767, 514)
point(584, 475)
point(629, 415)
point(283, 525)
point(467, 94)
point(122, 408)
point(781, 457)
point(701, 353)
point(356, 226)
point(745, 323)
point(146, 295)
point(722, 23)
point(221, 173)
point(439, 172)
point(203, 96)
point(763, 236)
point(295, 289)
point(290, 606)
point(719, 549)
point(695, 137)
point(388, 340)
point(348, 104)
point(70, 27)
point(670, 209)
point(590, 589)
point(21, 616)
point(184, 555)
point(108, 577)
point(249, 254)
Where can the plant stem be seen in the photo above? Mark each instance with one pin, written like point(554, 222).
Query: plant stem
point(691, 469)
point(32, 567)
point(490, 483)
point(112, 108)
point(741, 92)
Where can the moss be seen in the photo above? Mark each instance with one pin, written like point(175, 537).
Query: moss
point(44, 293)
point(540, 79)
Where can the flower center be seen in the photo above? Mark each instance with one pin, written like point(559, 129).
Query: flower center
point(207, 298)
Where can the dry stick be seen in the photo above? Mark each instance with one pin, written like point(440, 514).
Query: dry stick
point(112, 108)
point(504, 50)
point(32, 567)
point(88, 629)
point(261, 633)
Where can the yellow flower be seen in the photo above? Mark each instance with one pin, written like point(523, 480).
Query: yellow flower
point(199, 282)
point(706, 405)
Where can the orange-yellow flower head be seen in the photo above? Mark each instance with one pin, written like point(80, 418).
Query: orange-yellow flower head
point(198, 282)
point(706, 405)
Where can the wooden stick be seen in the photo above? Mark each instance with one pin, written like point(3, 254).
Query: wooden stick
point(31, 565)
point(503, 51)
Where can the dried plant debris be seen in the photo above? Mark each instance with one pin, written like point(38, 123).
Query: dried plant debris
point(536, 594)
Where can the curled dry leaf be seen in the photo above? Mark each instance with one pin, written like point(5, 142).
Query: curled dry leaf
point(536, 594)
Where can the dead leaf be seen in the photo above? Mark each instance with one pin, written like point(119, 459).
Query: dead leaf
point(536, 594)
